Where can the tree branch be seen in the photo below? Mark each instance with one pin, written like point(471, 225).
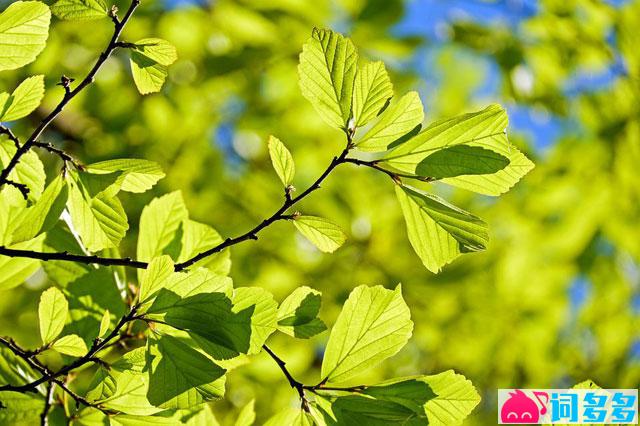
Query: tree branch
point(66, 158)
point(393, 175)
point(48, 376)
point(48, 400)
point(7, 131)
point(69, 94)
point(299, 387)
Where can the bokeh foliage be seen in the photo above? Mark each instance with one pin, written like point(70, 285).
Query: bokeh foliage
point(555, 298)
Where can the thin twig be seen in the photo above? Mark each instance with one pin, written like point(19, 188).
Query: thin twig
point(24, 189)
point(299, 387)
point(66, 158)
point(393, 175)
point(7, 131)
point(48, 400)
point(69, 94)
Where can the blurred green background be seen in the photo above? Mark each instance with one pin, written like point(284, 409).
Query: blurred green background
point(556, 297)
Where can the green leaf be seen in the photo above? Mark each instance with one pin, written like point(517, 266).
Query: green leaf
point(247, 416)
point(149, 61)
point(24, 100)
point(24, 28)
point(290, 417)
point(138, 175)
point(43, 215)
point(14, 207)
point(180, 376)
point(155, 277)
point(461, 160)
point(15, 270)
point(80, 10)
point(29, 171)
point(131, 384)
point(52, 314)
point(264, 312)
point(159, 222)
point(105, 323)
point(102, 386)
point(371, 92)
point(100, 220)
point(397, 120)
point(445, 399)
point(298, 313)
point(484, 129)
point(198, 237)
point(71, 345)
point(195, 416)
point(438, 231)
point(20, 408)
point(327, 72)
point(282, 161)
point(324, 234)
point(373, 325)
point(355, 410)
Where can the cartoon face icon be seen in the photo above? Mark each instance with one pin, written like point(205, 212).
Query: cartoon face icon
point(519, 408)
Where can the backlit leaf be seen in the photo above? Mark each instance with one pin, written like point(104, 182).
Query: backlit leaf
point(282, 161)
point(24, 100)
point(71, 345)
point(80, 10)
point(138, 175)
point(24, 28)
point(324, 234)
point(159, 222)
point(438, 231)
point(52, 314)
point(373, 325)
point(371, 92)
point(327, 72)
point(149, 61)
point(298, 313)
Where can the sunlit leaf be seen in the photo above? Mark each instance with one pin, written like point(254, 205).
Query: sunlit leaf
point(20, 408)
point(324, 234)
point(247, 415)
point(394, 123)
point(159, 222)
point(71, 345)
point(80, 10)
point(29, 171)
point(150, 58)
point(24, 28)
point(197, 238)
point(327, 72)
point(155, 277)
point(52, 314)
point(181, 377)
point(43, 215)
point(282, 161)
point(15, 270)
point(138, 175)
point(298, 313)
point(373, 325)
point(105, 323)
point(371, 92)
point(24, 100)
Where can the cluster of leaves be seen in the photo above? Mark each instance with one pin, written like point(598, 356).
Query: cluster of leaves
point(190, 323)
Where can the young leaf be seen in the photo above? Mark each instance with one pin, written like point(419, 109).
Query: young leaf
point(484, 129)
point(373, 325)
point(371, 92)
point(159, 222)
point(100, 220)
point(138, 175)
point(264, 312)
point(247, 415)
point(24, 28)
point(327, 72)
point(149, 61)
point(52, 314)
point(105, 323)
point(71, 345)
point(80, 10)
point(43, 215)
point(438, 231)
point(155, 277)
point(298, 313)
point(181, 377)
point(24, 100)
point(102, 386)
point(444, 399)
point(325, 235)
point(282, 161)
point(397, 120)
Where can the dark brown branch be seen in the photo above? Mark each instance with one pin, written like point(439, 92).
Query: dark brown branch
point(48, 376)
point(299, 387)
point(79, 258)
point(48, 400)
point(66, 158)
point(7, 131)
point(24, 189)
point(393, 175)
point(69, 94)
